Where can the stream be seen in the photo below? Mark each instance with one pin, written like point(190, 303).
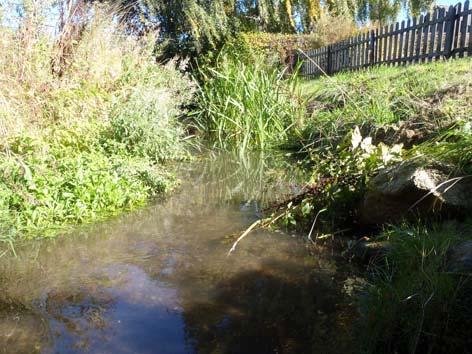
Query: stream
point(159, 280)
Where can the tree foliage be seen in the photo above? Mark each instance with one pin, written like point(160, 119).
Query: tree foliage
point(196, 26)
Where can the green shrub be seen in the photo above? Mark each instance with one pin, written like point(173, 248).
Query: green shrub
point(90, 142)
point(144, 117)
point(278, 46)
point(71, 183)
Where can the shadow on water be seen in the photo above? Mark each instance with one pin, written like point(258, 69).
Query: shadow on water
point(159, 281)
point(267, 312)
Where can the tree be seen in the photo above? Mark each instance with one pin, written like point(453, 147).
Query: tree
point(386, 11)
point(192, 27)
point(195, 26)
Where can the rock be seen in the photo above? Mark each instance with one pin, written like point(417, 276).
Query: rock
point(460, 258)
point(400, 133)
point(370, 251)
point(410, 189)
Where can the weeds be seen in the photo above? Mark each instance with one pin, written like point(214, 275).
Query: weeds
point(414, 304)
point(91, 141)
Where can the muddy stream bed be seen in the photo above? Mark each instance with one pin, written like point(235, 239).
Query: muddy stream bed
point(159, 280)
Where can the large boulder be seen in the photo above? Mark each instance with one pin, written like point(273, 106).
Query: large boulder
point(412, 189)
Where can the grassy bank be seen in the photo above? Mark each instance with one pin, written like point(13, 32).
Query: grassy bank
point(360, 124)
point(347, 129)
point(90, 139)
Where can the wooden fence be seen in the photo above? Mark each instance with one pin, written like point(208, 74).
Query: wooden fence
point(438, 35)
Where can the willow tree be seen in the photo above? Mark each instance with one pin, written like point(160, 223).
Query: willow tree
point(195, 26)
point(283, 16)
point(386, 11)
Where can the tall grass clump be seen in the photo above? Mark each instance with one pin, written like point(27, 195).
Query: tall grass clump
point(246, 104)
point(415, 302)
point(87, 120)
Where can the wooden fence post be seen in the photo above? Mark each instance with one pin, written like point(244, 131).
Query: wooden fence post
point(371, 48)
point(329, 70)
point(450, 21)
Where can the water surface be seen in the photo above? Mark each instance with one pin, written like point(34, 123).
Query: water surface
point(159, 280)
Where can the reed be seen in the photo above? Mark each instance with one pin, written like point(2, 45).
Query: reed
point(247, 105)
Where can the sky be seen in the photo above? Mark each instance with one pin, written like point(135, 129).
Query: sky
point(447, 2)
point(404, 15)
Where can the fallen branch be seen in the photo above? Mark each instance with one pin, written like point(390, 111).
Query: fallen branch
point(261, 223)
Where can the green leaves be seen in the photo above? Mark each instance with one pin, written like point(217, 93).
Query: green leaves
point(40, 193)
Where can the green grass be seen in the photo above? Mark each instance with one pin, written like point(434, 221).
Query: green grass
point(245, 105)
point(414, 304)
point(429, 95)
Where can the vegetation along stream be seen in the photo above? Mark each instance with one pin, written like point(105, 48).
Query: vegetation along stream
point(173, 181)
point(160, 280)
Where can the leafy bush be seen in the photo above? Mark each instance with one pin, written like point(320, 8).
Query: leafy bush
point(338, 180)
point(70, 184)
point(143, 117)
point(278, 46)
point(89, 142)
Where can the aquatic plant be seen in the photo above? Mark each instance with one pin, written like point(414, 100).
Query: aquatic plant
point(246, 105)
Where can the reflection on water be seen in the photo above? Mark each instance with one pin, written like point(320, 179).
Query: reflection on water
point(159, 280)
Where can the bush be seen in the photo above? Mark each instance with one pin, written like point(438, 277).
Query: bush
point(88, 140)
point(144, 117)
point(70, 184)
point(278, 47)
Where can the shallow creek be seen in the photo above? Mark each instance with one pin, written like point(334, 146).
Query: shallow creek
point(159, 280)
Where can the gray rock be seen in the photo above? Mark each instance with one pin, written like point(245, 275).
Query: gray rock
point(370, 251)
point(412, 188)
point(460, 258)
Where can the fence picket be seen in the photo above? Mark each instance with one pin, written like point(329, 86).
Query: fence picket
point(440, 26)
point(463, 28)
point(407, 42)
point(424, 49)
point(419, 32)
point(469, 51)
point(432, 30)
point(455, 45)
point(395, 43)
point(451, 18)
point(384, 44)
